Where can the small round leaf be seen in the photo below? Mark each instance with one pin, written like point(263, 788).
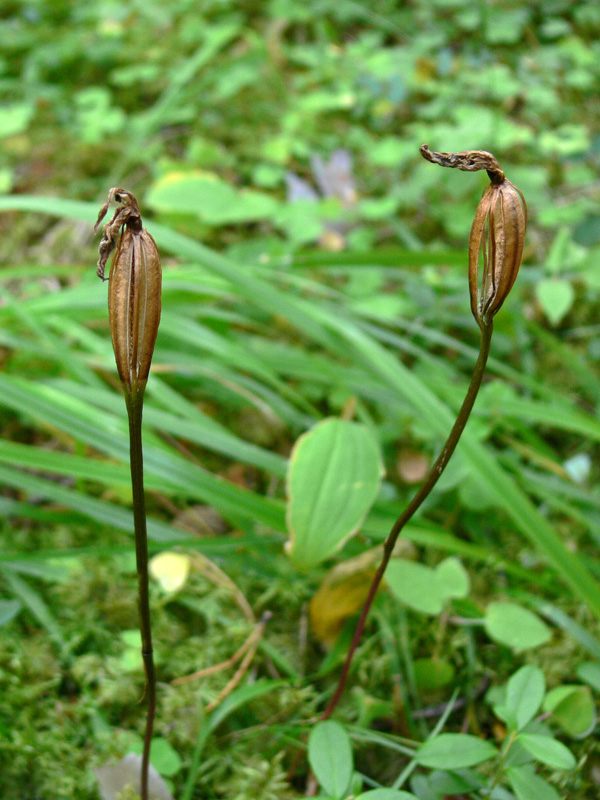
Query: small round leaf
point(515, 626)
point(415, 585)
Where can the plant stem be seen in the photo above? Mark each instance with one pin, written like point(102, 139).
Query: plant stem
point(431, 479)
point(134, 399)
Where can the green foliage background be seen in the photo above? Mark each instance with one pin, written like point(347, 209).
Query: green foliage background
point(348, 297)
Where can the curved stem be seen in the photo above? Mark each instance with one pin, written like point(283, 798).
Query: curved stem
point(428, 484)
point(135, 401)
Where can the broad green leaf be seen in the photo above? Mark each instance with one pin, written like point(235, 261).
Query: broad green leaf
point(454, 751)
point(330, 757)
point(525, 693)
point(333, 478)
point(515, 626)
point(415, 585)
point(572, 708)
point(547, 750)
point(529, 786)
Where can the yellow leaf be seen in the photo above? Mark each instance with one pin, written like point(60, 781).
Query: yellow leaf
point(345, 589)
point(171, 570)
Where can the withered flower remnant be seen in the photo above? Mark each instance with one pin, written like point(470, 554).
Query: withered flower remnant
point(497, 233)
point(134, 296)
point(134, 314)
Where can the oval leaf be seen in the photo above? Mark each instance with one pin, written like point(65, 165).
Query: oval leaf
point(330, 757)
point(333, 478)
point(453, 579)
point(454, 751)
point(525, 693)
point(415, 585)
point(515, 626)
point(572, 708)
point(529, 786)
point(548, 750)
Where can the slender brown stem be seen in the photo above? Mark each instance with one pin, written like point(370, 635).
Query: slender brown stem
point(135, 401)
point(430, 481)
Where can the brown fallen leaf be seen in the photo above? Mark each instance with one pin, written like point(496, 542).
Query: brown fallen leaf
point(345, 589)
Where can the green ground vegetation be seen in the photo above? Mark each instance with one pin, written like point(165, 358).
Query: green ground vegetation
point(314, 267)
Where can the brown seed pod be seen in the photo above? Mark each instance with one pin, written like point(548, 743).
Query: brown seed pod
point(497, 233)
point(134, 295)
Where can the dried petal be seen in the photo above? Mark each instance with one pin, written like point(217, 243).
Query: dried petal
point(128, 214)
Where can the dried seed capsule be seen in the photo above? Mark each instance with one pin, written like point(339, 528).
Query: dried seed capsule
point(134, 295)
point(498, 231)
point(497, 235)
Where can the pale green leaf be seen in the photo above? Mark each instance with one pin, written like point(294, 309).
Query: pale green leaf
point(525, 693)
point(415, 585)
point(454, 751)
point(333, 478)
point(330, 757)
point(529, 786)
point(515, 626)
point(573, 709)
point(547, 750)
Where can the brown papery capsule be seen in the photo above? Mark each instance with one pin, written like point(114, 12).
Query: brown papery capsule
point(497, 233)
point(134, 294)
point(497, 237)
